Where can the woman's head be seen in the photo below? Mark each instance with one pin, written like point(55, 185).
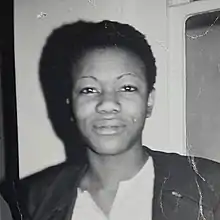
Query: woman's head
point(89, 63)
point(109, 99)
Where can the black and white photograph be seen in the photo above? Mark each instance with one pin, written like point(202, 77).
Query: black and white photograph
point(110, 110)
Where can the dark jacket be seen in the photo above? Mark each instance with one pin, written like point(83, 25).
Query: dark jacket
point(184, 188)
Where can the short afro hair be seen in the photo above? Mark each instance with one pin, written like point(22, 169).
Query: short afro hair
point(63, 48)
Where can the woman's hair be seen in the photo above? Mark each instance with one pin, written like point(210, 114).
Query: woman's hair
point(63, 48)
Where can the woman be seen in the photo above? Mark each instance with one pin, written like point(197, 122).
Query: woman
point(98, 82)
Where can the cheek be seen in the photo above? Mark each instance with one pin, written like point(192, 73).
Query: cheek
point(83, 109)
point(136, 109)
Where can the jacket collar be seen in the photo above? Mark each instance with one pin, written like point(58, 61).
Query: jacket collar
point(180, 178)
point(61, 195)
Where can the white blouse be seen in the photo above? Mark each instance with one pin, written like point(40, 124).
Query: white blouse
point(133, 200)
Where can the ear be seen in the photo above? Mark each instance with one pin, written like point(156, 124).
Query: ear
point(150, 103)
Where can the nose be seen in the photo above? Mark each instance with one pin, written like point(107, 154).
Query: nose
point(108, 104)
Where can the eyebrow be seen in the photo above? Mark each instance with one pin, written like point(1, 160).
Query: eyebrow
point(86, 77)
point(119, 77)
point(128, 74)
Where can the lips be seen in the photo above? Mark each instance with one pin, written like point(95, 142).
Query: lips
point(109, 127)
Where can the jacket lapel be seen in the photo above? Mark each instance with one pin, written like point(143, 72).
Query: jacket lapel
point(176, 192)
point(162, 175)
point(60, 198)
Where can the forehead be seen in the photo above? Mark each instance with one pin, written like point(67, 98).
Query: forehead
point(109, 63)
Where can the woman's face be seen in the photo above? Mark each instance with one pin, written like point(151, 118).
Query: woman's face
point(110, 100)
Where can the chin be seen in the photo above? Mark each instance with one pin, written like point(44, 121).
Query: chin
point(109, 148)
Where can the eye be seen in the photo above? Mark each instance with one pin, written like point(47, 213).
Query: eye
point(128, 88)
point(89, 90)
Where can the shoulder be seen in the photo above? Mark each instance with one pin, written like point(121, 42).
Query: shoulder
point(177, 162)
point(42, 178)
point(201, 166)
point(206, 170)
point(190, 175)
point(30, 191)
point(35, 187)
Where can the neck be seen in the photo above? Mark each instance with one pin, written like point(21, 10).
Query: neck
point(108, 170)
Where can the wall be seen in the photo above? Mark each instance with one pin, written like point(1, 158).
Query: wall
point(38, 146)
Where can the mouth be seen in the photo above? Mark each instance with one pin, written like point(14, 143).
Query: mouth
point(110, 129)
